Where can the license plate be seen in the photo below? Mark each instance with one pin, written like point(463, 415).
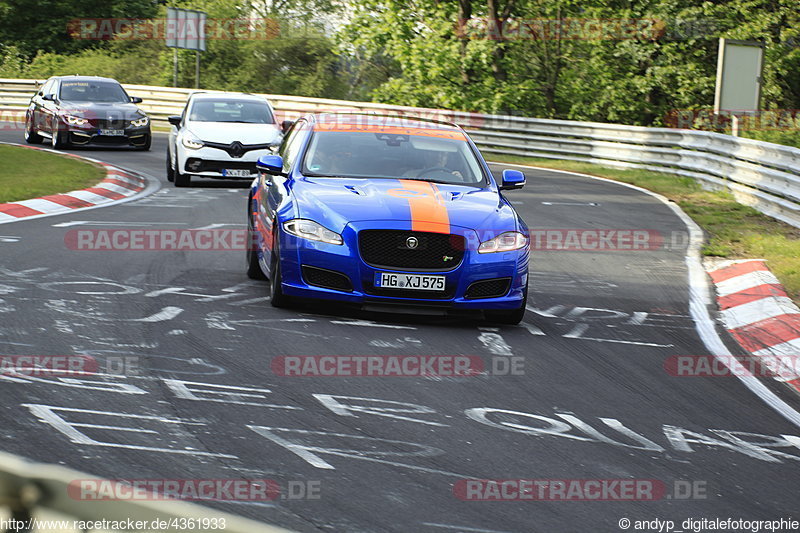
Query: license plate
point(236, 173)
point(417, 282)
point(112, 133)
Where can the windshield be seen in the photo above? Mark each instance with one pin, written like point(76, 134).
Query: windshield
point(93, 91)
point(421, 154)
point(249, 112)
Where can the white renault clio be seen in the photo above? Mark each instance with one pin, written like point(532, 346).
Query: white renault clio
point(220, 135)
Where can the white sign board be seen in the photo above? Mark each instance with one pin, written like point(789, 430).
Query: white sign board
point(739, 68)
point(186, 29)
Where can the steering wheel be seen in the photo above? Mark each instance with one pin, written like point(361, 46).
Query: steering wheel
point(434, 169)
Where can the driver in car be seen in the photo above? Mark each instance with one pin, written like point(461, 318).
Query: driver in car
point(435, 162)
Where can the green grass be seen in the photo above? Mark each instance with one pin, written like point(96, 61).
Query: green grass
point(732, 230)
point(26, 173)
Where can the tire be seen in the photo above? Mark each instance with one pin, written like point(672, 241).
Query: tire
point(170, 170)
point(31, 137)
point(146, 146)
point(182, 180)
point(511, 317)
point(58, 140)
point(253, 268)
point(277, 298)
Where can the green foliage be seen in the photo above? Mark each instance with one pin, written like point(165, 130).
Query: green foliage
point(635, 78)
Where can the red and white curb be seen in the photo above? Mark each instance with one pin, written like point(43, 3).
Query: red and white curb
point(117, 186)
point(758, 313)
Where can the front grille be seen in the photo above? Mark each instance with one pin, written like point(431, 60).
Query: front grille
point(327, 279)
point(390, 249)
point(488, 288)
point(112, 139)
point(217, 166)
point(106, 124)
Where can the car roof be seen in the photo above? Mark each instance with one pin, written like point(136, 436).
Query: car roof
point(226, 96)
point(86, 78)
point(378, 120)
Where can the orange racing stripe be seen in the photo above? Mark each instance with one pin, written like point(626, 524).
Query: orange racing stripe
point(428, 210)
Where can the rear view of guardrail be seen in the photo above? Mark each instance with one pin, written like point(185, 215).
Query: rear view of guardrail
point(37, 493)
point(763, 175)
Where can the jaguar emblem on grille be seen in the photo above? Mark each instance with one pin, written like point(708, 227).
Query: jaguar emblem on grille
point(412, 243)
point(447, 258)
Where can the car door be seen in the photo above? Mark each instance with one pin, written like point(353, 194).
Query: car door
point(173, 135)
point(273, 192)
point(49, 108)
point(37, 106)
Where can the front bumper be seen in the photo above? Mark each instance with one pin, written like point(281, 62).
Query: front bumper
point(209, 162)
point(297, 255)
point(89, 135)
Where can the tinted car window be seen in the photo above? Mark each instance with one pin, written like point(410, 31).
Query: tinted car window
point(231, 111)
point(92, 91)
point(426, 156)
point(291, 146)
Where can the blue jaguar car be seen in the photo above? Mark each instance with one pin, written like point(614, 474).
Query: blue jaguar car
point(390, 214)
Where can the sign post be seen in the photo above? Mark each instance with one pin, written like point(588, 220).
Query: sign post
point(186, 30)
point(739, 68)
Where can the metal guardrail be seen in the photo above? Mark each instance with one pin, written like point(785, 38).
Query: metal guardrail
point(33, 490)
point(763, 175)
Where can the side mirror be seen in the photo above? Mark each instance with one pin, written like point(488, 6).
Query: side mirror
point(49, 97)
point(136, 100)
point(175, 120)
point(271, 164)
point(286, 124)
point(512, 179)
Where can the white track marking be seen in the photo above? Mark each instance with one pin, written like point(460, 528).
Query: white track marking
point(755, 311)
point(746, 281)
point(168, 313)
point(700, 300)
point(495, 343)
point(367, 323)
point(115, 223)
point(48, 415)
point(462, 528)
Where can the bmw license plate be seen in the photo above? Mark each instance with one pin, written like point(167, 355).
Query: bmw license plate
point(236, 173)
point(419, 282)
point(112, 133)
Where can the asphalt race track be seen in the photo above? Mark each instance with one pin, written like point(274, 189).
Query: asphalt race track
point(591, 399)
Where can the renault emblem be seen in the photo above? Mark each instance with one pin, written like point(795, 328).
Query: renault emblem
point(412, 243)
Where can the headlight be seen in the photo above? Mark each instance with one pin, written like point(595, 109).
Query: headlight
point(192, 144)
point(75, 121)
point(139, 122)
point(308, 229)
point(505, 242)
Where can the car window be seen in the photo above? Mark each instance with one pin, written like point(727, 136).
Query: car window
point(48, 87)
point(292, 143)
point(92, 91)
point(250, 112)
point(429, 155)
